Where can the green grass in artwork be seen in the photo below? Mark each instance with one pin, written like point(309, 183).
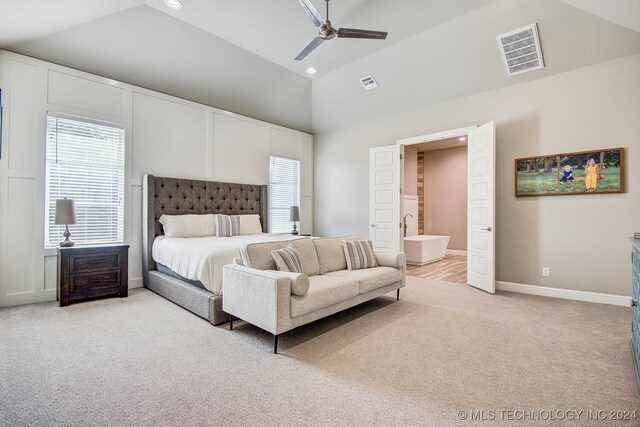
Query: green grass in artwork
point(534, 183)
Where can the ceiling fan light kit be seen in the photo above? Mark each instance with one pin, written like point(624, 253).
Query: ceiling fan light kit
point(327, 32)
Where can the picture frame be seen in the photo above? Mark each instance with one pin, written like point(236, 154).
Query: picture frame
point(599, 171)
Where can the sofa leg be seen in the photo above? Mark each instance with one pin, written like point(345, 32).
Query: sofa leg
point(398, 295)
point(231, 322)
point(275, 344)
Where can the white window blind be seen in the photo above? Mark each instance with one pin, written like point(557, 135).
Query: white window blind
point(284, 192)
point(85, 162)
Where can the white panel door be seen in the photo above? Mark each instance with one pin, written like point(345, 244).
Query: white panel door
point(384, 197)
point(481, 270)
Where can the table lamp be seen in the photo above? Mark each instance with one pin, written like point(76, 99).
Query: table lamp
point(294, 215)
point(65, 215)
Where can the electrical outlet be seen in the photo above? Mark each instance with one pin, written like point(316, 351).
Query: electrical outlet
point(545, 271)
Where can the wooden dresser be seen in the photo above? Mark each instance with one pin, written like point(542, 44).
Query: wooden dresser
point(86, 272)
point(635, 301)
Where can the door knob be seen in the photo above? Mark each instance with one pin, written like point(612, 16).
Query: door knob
point(486, 229)
point(373, 225)
point(633, 303)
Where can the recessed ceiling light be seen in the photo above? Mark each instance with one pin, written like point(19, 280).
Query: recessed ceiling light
point(462, 138)
point(311, 70)
point(173, 4)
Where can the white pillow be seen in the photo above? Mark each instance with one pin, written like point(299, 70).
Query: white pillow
point(188, 225)
point(250, 224)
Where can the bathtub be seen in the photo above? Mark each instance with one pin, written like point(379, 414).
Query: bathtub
point(423, 249)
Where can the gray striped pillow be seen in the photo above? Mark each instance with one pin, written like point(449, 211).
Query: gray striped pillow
point(359, 254)
point(228, 225)
point(288, 259)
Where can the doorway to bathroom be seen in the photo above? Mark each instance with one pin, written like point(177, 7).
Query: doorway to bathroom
point(448, 205)
point(387, 203)
point(435, 209)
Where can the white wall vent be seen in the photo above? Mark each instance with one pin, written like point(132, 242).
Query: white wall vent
point(368, 83)
point(520, 50)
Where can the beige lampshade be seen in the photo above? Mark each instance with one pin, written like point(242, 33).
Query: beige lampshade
point(65, 212)
point(294, 213)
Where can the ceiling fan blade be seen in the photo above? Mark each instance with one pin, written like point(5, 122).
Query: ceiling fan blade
point(310, 47)
point(353, 33)
point(312, 12)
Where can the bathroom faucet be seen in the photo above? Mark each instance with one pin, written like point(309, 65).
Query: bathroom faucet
point(404, 220)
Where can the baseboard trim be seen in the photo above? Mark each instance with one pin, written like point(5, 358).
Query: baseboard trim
point(571, 294)
point(456, 252)
point(135, 283)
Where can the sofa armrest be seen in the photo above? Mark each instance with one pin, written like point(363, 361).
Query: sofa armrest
point(260, 297)
point(391, 259)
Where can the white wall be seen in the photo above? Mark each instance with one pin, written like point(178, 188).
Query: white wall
point(165, 136)
point(583, 239)
point(148, 48)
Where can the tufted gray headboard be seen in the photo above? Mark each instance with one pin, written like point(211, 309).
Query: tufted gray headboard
point(175, 196)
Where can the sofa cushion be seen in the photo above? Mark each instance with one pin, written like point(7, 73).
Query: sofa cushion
point(330, 253)
point(323, 292)
point(310, 265)
point(359, 254)
point(258, 255)
point(288, 259)
point(299, 284)
point(370, 278)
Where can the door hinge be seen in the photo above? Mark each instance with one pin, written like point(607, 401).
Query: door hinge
point(400, 224)
point(400, 156)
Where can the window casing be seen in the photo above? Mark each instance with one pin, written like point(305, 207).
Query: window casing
point(85, 162)
point(284, 192)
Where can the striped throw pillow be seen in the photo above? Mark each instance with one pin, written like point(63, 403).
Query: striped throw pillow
point(228, 225)
point(359, 254)
point(288, 259)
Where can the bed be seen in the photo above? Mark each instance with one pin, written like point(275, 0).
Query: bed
point(174, 196)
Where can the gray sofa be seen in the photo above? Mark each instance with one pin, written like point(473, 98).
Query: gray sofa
point(278, 301)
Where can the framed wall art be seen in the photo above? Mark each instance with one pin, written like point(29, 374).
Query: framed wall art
point(583, 172)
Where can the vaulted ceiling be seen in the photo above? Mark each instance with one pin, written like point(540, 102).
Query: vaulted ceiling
point(235, 54)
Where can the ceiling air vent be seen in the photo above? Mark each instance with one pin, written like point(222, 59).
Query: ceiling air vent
point(368, 83)
point(520, 50)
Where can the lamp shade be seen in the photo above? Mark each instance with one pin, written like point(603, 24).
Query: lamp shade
point(65, 212)
point(294, 213)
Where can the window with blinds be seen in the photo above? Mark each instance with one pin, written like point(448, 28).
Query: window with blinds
point(85, 162)
point(284, 192)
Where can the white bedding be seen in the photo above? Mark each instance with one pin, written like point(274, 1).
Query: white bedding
point(202, 258)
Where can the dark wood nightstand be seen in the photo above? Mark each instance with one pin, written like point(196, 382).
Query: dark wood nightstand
point(86, 272)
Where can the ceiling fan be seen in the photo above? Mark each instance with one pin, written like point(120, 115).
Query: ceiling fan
point(327, 32)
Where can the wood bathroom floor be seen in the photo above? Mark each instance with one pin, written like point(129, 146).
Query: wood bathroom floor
point(453, 268)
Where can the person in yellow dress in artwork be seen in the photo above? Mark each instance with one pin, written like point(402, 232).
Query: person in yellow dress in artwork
point(591, 171)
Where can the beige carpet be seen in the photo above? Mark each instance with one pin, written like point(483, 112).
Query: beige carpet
point(443, 348)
